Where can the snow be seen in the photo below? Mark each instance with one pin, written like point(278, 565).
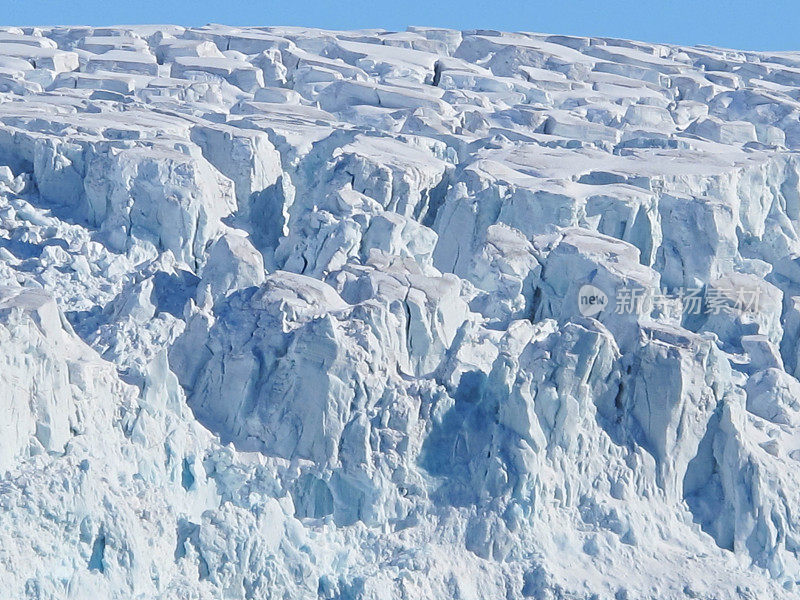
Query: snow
point(293, 313)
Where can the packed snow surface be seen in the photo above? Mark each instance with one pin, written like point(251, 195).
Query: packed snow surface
point(289, 313)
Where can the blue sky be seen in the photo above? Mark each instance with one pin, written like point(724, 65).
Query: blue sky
point(753, 24)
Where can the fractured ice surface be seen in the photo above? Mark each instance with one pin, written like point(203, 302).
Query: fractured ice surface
point(292, 313)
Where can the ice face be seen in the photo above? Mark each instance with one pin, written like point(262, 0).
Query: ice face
point(293, 313)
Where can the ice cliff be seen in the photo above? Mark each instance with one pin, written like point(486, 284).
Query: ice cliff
point(290, 313)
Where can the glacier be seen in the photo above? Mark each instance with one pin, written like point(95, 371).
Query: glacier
point(293, 313)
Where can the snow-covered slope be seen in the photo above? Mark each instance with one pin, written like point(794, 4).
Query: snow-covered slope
point(290, 313)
